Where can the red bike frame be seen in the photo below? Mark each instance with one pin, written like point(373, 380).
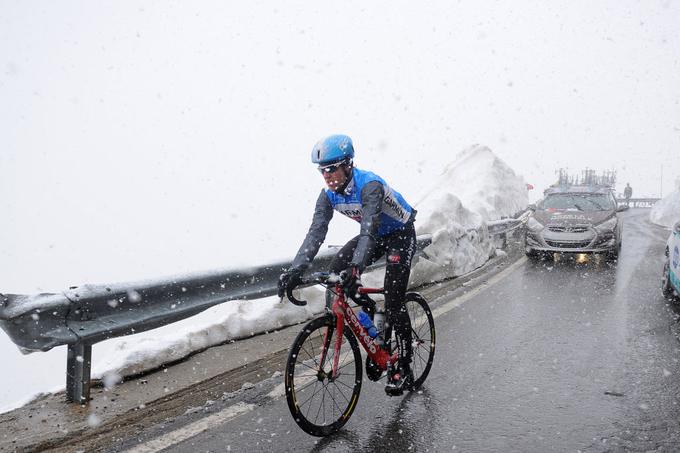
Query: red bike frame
point(345, 315)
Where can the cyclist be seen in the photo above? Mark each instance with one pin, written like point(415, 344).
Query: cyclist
point(386, 229)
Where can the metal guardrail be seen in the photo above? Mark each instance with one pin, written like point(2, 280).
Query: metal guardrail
point(87, 314)
point(637, 202)
point(499, 227)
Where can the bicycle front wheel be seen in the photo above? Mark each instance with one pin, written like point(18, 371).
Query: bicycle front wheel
point(320, 403)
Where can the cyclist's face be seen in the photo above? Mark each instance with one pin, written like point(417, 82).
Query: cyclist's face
point(335, 179)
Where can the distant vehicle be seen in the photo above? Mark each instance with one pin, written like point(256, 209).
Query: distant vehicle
point(575, 219)
point(670, 281)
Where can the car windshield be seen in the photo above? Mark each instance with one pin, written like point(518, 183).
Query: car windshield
point(578, 202)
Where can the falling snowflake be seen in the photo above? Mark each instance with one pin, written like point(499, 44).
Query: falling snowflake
point(134, 296)
point(111, 379)
point(93, 420)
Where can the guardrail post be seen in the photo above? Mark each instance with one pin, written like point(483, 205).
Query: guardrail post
point(78, 362)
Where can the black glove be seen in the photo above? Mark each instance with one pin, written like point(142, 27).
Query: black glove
point(289, 279)
point(350, 281)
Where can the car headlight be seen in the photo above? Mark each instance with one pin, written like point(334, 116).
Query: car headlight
point(534, 225)
point(607, 226)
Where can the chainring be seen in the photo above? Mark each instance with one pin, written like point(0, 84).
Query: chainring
point(373, 372)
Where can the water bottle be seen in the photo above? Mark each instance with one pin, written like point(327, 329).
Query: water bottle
point(365, 321)
point(379, 321)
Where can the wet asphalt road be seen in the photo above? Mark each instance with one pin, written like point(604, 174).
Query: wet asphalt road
point(556, 356)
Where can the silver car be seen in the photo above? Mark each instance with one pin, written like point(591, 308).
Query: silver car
point(575, 219)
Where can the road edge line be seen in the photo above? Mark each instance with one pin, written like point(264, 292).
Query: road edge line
point(448, 306)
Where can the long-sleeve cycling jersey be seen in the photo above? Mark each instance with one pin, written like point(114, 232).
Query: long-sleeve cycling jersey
point(369, 200)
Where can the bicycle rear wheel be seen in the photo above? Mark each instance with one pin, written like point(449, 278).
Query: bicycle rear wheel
point(319, 403)
point(423, 337)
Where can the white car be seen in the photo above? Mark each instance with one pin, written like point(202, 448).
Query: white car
point(670, 281)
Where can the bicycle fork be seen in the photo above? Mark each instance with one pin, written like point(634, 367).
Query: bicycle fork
point(328, 337)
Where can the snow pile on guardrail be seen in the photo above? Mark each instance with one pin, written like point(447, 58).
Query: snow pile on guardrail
point(666, 211)
point(473, 189)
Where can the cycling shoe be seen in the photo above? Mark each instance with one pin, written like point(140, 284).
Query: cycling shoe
point(398, 382)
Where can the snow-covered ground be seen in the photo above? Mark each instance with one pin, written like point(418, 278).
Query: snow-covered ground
point(667, 211)
point(475, 187)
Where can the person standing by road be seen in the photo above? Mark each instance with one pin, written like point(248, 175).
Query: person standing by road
point(627, 193)
point(386, 228)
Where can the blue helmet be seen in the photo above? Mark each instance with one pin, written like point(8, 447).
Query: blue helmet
point(334, 148)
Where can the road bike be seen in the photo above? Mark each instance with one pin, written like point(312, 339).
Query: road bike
point(324, 368)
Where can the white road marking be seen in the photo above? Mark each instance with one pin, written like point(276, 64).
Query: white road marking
point(192, 429)
point(450, 305)
point(234, 411)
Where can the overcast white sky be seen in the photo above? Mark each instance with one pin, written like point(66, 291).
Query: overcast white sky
point(140, 139)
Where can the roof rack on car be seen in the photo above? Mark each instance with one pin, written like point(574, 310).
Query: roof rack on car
point(587, 181)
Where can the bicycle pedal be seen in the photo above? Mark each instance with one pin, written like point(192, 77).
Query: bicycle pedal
point(394, 392)
point(396, 385)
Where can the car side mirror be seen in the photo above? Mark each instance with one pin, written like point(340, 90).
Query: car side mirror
point(531, 207)
point(676, 227)
point(621, 207)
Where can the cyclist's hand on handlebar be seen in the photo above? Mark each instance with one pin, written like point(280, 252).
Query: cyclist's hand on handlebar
point(350, 280)
point(289, 280)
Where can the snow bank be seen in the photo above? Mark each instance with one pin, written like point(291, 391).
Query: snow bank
point(144, 351)
point(667, 210)
point(482, 182)
point(475, 187)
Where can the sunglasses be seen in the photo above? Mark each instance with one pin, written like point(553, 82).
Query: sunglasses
point(332, 168)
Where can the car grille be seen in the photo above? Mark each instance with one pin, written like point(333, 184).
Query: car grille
point(568, 245)
point(568, 229)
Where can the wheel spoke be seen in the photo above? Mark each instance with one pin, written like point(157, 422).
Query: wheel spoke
point(351, 387)
point(320, 405)
point(311, 396)
point(335, 402)
point(305, 385)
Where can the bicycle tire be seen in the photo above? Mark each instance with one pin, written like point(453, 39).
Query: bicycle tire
point(423, 337)
point(319, 405)
point(666, 286)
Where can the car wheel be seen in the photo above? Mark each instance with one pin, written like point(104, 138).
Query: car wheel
point(666, 287)
point(612, 255)
point(533, 255)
